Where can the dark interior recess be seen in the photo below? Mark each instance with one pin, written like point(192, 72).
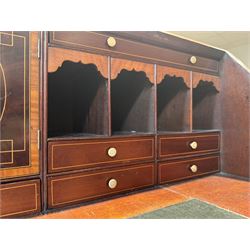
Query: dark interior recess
point(77, 101)
point(205, 97)
point(173, 99)
point(132, 103)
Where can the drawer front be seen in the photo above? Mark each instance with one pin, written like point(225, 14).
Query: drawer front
point(75, 188)
point(97, 43)
point(69, 155)
point(175, 146)
point(178, 170)
point(19, 199)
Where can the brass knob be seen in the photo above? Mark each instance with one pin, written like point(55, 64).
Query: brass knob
point(112, 152)
point(194, 168)
point(193, 59)
point(193, 145)
point(111, 42)
point(112, 183)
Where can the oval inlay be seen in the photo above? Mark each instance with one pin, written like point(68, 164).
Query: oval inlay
point(3, 95)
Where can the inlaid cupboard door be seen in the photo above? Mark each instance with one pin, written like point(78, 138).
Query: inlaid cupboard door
point(19, 104)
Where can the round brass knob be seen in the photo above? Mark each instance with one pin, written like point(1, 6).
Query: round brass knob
point(112, 152)
point(193, 145)
point(193, 59)
point(112, 183)
point(111, 42)
point(194, 168)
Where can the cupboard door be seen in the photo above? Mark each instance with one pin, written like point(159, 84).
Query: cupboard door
point(19, 104)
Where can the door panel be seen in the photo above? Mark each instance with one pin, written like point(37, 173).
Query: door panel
point(19, 106)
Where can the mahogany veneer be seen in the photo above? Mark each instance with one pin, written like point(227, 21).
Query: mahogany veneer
point(171, 146)
point(179, 170)
point(96, 42)
point(114, 117)
point(75, 188)
point(19, 199)
point(70, 155)
point(19, 105)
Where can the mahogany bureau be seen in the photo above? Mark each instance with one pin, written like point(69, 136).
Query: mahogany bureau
point(89, 115)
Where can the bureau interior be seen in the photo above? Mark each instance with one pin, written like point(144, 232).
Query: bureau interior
point(77, 101)
point(173, 109)
point(132, 103)
point(205, 106)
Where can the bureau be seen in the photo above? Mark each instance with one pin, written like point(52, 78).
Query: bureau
point(106, 113)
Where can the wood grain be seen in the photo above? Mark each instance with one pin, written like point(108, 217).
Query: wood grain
point(33, 168)
point(77, 100)
point(235, 118)
point(206, 102)
point(197, 77)
point(117, 65)
point(163, 39)
point(20, 198)
point(136, 48)
point(162, 71)
point(179, 170)
point(173, 99)
point(14, 136)
point(56, 57)
point(173, 146)
point(132, 101)
point(83, 154)
point(76, 188)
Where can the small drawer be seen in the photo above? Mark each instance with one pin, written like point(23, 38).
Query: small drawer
point(70, 155)
point(76, 188)
point(117, 46)
point(20, 198)
point(178, 170)
point(189, 144)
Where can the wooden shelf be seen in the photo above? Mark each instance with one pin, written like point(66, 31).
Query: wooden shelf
point(132, 103)
point(205, 106)
point(173, 105)
point(77, 101)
